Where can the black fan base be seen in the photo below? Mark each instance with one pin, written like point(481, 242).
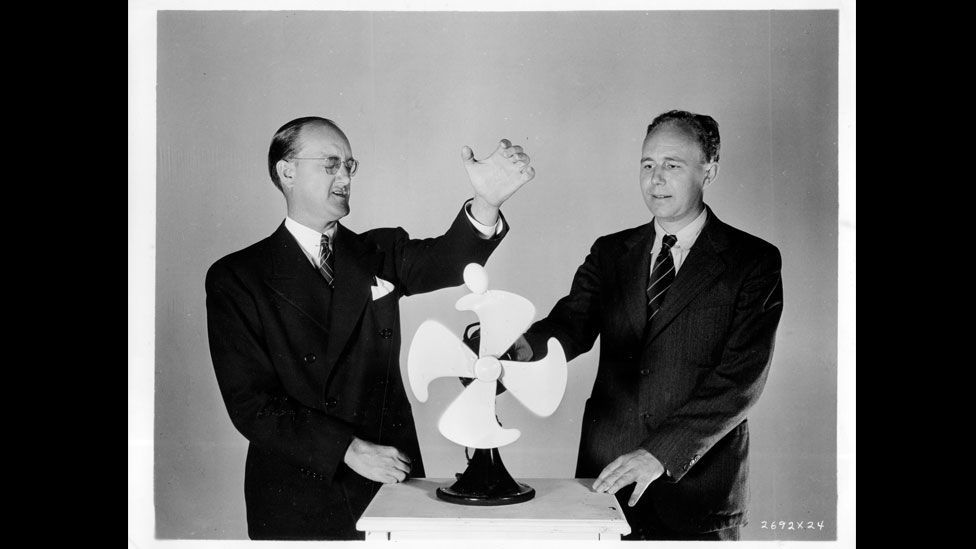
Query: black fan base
point(524, 493)
point(486, 482)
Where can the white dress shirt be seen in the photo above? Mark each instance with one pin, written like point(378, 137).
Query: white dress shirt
point(686, 239)
point(310, 240)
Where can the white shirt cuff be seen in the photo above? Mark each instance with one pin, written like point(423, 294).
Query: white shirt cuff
point(487, 230)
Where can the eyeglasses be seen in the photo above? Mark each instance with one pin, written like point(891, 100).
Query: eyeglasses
point(332, 164)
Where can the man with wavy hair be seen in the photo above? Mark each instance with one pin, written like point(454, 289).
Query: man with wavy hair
point(686, 308)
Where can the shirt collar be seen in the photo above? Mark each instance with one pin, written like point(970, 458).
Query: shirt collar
point(308, 238)
point(686, 236)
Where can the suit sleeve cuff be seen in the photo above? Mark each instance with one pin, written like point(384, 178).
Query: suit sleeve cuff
point(676, 459)
point(539, 345)
point(487, 231)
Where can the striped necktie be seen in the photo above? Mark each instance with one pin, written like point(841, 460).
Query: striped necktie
point(662, 276)
point(325, 260)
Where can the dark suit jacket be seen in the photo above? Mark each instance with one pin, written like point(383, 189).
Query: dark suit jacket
point(303, 369)
point(681, 387)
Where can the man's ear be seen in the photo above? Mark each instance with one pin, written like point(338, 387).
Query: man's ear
point(286, 173)
point(711, 174)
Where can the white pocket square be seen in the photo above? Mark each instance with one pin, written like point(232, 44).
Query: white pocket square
point(381, 289)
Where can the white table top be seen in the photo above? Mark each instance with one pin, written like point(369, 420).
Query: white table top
point(559, 505)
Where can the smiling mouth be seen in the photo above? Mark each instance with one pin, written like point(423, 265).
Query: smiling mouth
point(661, 195)
point(344, 193)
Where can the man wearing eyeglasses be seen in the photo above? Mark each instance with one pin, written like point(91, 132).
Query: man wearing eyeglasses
point(304, 333)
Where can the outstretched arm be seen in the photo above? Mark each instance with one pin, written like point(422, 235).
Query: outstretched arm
point(575, 320)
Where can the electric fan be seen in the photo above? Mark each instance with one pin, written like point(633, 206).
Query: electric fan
point(470, 419)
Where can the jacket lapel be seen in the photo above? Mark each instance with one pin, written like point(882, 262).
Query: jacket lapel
point(632, 271)
point(355, 267)
point(295, 279)
point(702, 266)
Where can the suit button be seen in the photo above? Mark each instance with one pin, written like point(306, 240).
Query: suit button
point(646, 415)
point(330, 403)
point(386, 333)
point(645, 371)
point(309, 358)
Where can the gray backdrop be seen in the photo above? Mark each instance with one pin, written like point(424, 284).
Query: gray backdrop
point(577, 90)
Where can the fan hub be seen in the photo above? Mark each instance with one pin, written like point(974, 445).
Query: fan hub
point(487, 368)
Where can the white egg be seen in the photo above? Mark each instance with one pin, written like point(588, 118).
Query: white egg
point(475, 278)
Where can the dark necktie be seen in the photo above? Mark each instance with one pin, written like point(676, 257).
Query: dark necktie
point(662, 276)
point(325, 261)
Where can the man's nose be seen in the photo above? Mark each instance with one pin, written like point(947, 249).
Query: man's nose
point(657, 176)
point(343, 173)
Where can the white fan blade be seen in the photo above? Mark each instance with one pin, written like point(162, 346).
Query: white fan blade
point(475, 278)
point(538, 385)
point(436, 352)
point(470, 420)
point(504, 317)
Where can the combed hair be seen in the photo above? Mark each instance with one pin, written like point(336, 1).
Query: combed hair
point(285, 142)
point(703, 127)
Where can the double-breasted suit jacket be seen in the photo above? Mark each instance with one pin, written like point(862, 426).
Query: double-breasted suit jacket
point(681, 386)
point(303, 368)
